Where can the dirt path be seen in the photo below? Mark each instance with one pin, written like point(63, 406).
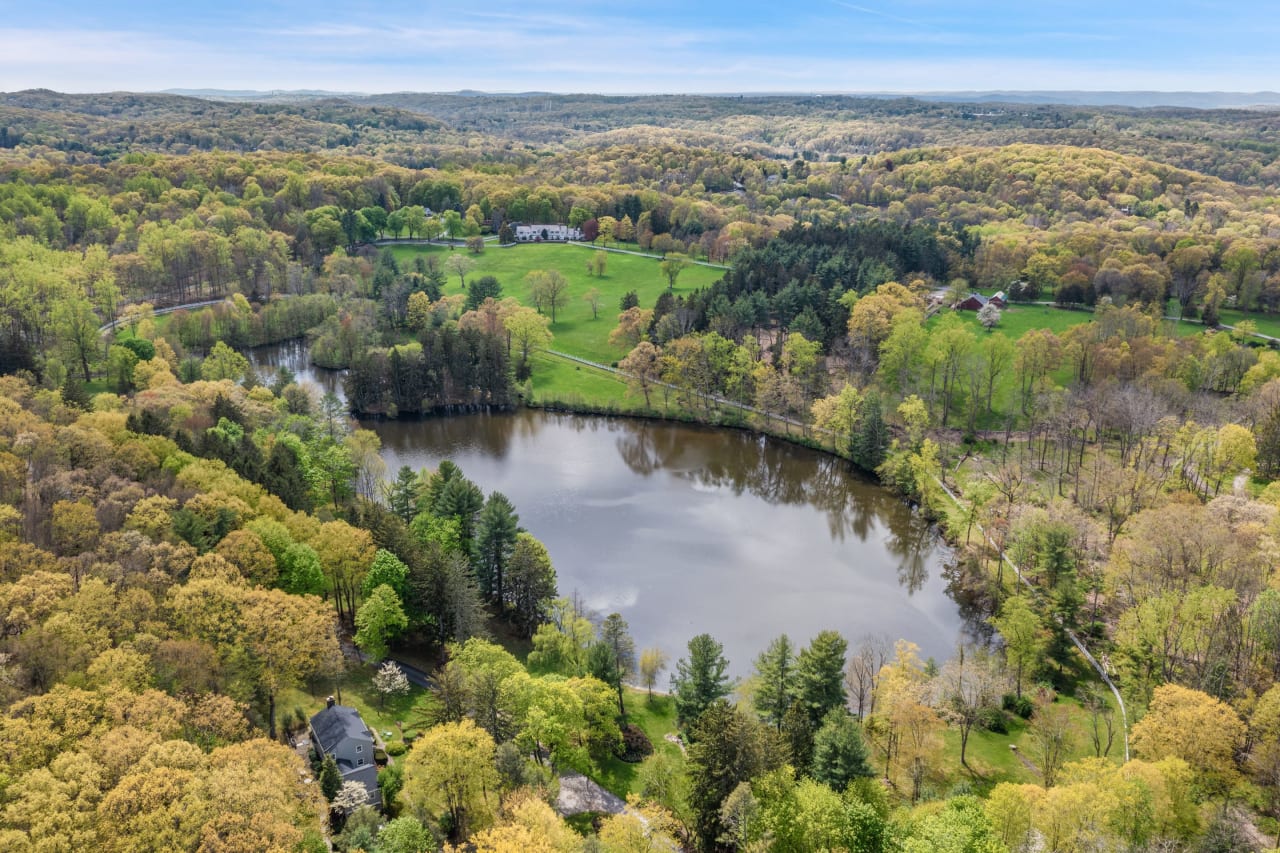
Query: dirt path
point(579, 794)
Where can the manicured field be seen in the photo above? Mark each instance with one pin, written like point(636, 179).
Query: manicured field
point(556, 380)
point(575, 330)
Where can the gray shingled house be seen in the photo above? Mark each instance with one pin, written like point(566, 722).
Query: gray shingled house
point(339, 731)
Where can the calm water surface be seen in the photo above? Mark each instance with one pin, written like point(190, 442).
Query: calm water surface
point(686, 529)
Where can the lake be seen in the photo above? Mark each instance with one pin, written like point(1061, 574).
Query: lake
point(685, 529)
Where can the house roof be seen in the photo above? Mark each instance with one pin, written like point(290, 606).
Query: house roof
point(975, 297)
point(334, 725)
point(366, 775)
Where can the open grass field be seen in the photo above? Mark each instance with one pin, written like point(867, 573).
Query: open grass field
point(576, 332)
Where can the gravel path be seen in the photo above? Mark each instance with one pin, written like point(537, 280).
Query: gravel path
point(579, 794)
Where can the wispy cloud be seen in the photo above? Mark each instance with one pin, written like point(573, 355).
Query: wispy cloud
point(867, 10)
point(714, 45)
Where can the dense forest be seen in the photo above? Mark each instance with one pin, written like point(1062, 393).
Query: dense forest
point(191, 551)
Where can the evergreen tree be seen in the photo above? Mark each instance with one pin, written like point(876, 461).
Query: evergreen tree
point(285, 478)
point(330, 778)
point(615, 633)
point(820, 676)
point(839, 753)
point(495, 540)
point(402, 494)
point(869, 441)
point(729, 748)
point(461, 499)
point(699, 679)
point(602, 664)
point(775, 681)
point(531, 583)
point(797, 732)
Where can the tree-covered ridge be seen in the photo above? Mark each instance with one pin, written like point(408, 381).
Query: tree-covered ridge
point(1236, 145)
point(114, 124)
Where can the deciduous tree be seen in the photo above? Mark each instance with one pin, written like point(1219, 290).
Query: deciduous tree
point(450, 772)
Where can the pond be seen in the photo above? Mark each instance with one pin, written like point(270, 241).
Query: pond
point(686, 529)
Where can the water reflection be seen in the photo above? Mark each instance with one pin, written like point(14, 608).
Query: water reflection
point(686, 529)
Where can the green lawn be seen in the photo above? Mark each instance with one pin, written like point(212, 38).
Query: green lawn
point(991, 760)
point(657, 718)
point(1017, 320)
point(575, 331)
point(557, 380)
point(356, 688)
point(1268, 324)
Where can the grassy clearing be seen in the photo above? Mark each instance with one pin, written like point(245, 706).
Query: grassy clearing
point(1017, 320)
point(657, 718)
point(576, 332)
point(991, 759)
point(356, 689)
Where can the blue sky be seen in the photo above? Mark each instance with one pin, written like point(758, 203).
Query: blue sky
point(630, 46)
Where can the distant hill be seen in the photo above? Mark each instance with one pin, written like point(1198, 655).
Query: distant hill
point(1072, 97)
point(1238, 143)
point(1194, 100)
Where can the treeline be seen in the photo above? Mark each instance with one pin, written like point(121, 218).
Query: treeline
point(446, 368)
point(804, 272)
point(241, 326)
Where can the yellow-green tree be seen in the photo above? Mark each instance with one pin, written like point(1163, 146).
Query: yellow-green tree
point(450, 773)
point(1202, 731)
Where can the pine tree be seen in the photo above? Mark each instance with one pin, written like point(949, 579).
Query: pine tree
point(820, 676)
point(615, 634)
point(700, 679)
point(868, 442)
point(839, 753)
point(776, 677)
point(495, 541)
point(402, 494)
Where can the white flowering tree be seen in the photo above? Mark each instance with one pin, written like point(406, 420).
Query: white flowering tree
point(390, 680)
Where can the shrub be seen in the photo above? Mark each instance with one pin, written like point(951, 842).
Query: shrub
point(1019, 705)
point(635, 744)
point(396, 748)
point(993, 720)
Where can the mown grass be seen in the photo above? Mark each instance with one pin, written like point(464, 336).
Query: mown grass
point(1267, 324)
point(356, 689)
point(657, 717)
point(1017, 320)
point(558, 380)
point(576, 331)
point(991, 759)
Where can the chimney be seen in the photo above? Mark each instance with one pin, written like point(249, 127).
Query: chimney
point(329, 703)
